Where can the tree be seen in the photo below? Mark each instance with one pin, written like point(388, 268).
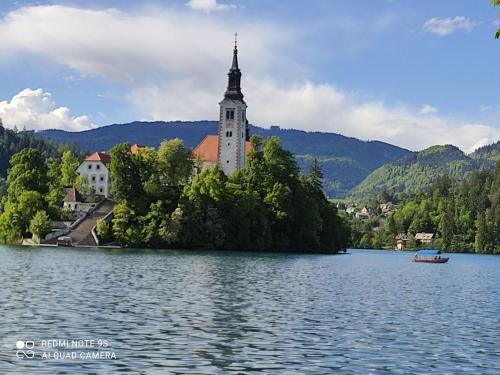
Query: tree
point(125, 225)
point(175, 162)
point(103, 230)
point(126, 176)
point(316, 176)
point(40, 225)
point(28, 173)
point(83, 186)
point(201, 204)
point(69, 165)
point(479, 244)
point(15, 220)
point(446, 226)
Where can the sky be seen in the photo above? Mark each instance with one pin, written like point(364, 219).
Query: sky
point(410, 73)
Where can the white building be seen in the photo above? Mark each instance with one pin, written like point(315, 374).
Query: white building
point(228, 149)
point(94, 167)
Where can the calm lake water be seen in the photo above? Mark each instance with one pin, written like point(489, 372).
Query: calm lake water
point(179, 312)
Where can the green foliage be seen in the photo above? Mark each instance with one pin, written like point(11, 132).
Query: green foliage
point(267, 205)
point(175, 163)
point(345, 161)
point(125, 174)
point(34, 191)
point(125, 225)
point(417, 172)
point(40, 225)
point(103, 230)
point(11, 142)
point(465, 217)
point(69, 165)
point(28, 173)
point(15, 220)
point(83, 186)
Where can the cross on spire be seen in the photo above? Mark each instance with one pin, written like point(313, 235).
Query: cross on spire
point(235, 40)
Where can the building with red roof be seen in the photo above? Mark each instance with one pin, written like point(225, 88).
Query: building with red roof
point(95, 169)
point(230, 147)
point(206, 153)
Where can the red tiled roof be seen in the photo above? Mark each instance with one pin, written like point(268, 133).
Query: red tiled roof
point(99, 156)
point(72, 195)
point(207, 150)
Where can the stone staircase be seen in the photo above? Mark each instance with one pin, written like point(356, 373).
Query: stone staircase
point(81, 234)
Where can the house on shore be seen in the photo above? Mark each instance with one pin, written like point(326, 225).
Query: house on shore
point(424, 238)
point(401, 241)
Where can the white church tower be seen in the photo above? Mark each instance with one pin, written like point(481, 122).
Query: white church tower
point(233, 124)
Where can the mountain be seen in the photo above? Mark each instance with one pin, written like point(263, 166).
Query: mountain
point(416, 171)
point(345, 161)
point(490, 152)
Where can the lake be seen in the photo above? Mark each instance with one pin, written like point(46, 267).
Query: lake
point(84, 311)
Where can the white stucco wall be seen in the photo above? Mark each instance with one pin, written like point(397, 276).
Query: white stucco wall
point(232, 147)
point(97, 175)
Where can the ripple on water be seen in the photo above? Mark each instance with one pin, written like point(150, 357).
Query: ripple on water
point(215, 312)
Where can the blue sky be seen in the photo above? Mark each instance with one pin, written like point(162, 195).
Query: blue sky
point(409, 73)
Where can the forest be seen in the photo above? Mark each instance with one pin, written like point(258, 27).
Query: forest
point(268, 205)
point(465, 216)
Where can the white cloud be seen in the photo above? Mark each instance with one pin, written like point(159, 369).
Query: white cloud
point(175, 69)
point(208, 5)
point(427, 109)
point(447, 26)
point(309, 106)
point(484, 108)
point(36, 110)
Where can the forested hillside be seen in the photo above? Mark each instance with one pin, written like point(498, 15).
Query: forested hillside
point(465, 217)
point(12, 141)
point(417, 171)
point(345, 161)
point(490, 152)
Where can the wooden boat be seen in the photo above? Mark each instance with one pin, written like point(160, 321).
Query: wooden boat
point(429, 256)
point(64, 241)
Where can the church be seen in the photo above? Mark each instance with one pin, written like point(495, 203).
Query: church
point(230, 147)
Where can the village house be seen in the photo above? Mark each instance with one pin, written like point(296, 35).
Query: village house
point(95, 169)
point(401, 241)
point(75, 202)
point(365, 213)
point(72, 199)
point(424, 238)
point(387, 208)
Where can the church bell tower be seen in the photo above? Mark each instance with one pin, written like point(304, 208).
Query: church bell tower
point(233, 124)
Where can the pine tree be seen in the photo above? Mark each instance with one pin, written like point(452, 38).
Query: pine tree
point(316, 176)
point(480, 233)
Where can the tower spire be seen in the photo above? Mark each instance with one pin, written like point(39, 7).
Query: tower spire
point(234, 76)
